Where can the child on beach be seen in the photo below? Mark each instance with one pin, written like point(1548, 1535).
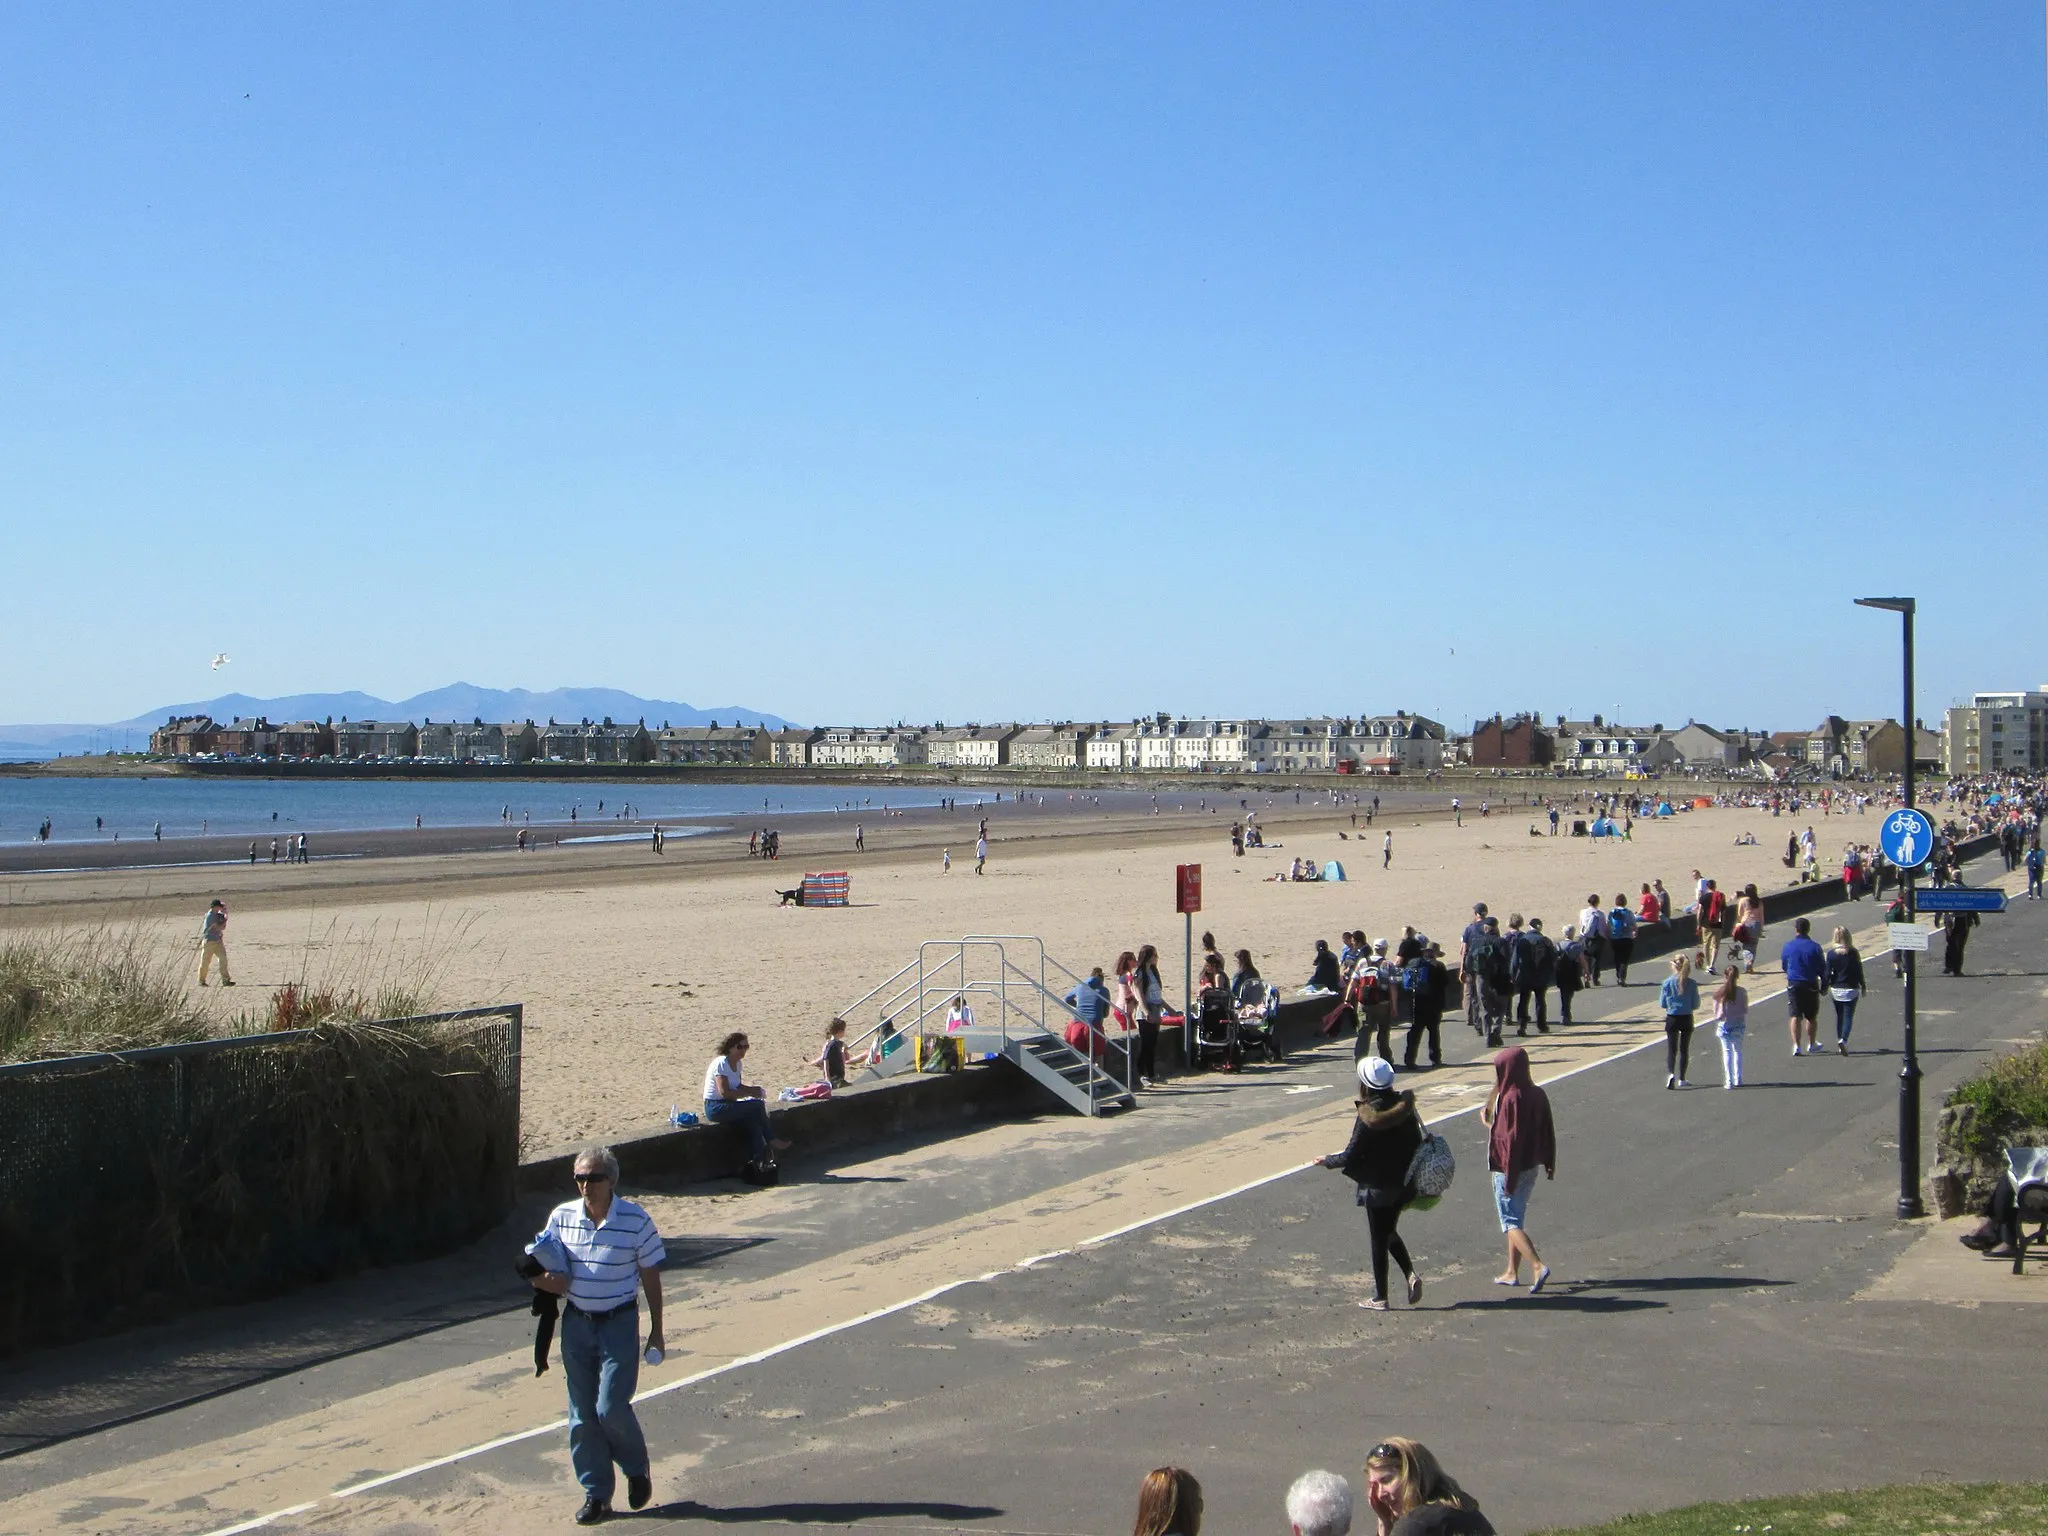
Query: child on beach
point(1730, 1019)
point(832, 1057)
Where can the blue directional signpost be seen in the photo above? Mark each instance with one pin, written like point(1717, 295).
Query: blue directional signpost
point(1907, 838)
point(1961, 898)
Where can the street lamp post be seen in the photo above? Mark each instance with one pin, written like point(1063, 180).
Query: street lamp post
point(1910, 1203)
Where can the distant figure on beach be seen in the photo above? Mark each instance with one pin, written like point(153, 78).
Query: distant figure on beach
point(980, 853)
point(273, 850)
point(521, 840)
point(252, 850)
point(302, 847)
point(657, 837)
point(1457, 811)
point(213, 942)
point(1387, 852)
point(946, 862)
point(860, 839)
point(159, 831)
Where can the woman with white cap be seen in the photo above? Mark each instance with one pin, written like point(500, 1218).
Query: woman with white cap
point(1384, 1136)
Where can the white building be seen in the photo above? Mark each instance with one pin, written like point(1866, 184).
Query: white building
point(1998, 732)
point(856, 746)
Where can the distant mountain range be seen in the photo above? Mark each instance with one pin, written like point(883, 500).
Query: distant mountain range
point(458, 701)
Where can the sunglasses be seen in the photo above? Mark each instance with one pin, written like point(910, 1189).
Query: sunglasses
point(1383, 1452)
point(592, 1178)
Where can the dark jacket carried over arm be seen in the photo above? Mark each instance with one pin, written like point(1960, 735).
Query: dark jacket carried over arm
point(1384, 1137)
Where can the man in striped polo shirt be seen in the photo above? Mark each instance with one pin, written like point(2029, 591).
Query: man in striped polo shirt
point(614, 1251)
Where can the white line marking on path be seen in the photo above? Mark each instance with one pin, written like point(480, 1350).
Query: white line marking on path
point(759, 1356)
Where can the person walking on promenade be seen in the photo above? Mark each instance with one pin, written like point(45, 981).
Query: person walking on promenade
point(1730, 1019)
point(729, 1099)
point(614, 1252)
point(1523, 1139)
point(1169, 1504)
point(1489, 963)
point(1710, 914)
point(1806, 969)
point(1845, 985)
point(1468, 977)
point(2036, 862)
point(1570, 973)
point(1621, 937)
point(1373, 983)
point(1151, 1009)
point(1385, 1133)
point(1427, 978)
point(1680, 999)
point(1533, 964)
point(1319, 1504)
point(1412, 1495)
point(213, 942)
point(1958, 925)
point(1593, 937)
point(1749, 926)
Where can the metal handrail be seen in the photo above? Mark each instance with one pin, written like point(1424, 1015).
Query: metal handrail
point(939, 977)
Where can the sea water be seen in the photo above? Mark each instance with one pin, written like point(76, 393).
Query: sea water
point(251, 807)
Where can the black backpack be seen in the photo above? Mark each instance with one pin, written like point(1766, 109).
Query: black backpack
point(764, 1173)
point(1489, 960)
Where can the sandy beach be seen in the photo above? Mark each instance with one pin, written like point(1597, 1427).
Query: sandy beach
point(631, 968)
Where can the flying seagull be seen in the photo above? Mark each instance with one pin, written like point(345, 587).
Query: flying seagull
point(220, 661)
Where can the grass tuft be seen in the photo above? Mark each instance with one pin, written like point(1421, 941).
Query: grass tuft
point(2008, 1509)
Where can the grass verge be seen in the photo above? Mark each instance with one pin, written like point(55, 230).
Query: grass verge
point(1919, 1509)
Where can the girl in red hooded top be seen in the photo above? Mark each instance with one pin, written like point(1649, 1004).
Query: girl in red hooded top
point(1518, 1113)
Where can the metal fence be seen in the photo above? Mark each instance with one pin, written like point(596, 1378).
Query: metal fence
point(136, 1184)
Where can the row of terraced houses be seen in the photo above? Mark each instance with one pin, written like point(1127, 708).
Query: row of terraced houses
point(1396, 743)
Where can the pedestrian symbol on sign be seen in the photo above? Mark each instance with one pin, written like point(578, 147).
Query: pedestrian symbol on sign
point(1907, 837)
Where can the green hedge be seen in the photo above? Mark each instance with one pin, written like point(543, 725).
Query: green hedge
point(2009, 1094)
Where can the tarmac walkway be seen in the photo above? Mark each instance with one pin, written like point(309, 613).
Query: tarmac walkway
point(1001, 1332)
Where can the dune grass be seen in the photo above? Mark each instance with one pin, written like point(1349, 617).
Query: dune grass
point(78, 991)
point(1918, 1509)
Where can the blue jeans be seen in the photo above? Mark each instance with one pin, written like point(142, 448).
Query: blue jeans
point(1845, 1020)
point(602, 1363)
point(750, 1114)
point(1512, 1205)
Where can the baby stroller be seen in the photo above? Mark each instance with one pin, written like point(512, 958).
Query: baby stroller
point(1255, 1012)
point(1216, 1029)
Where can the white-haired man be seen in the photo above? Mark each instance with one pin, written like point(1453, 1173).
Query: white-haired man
point(1319, 1504)
point(614, 1251)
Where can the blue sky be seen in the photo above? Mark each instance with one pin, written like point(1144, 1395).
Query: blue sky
point(885, 361)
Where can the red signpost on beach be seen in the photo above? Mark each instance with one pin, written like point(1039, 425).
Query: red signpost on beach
point(1187, 900)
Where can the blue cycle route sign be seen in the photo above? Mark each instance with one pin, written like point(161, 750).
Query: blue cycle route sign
point(1957, 898)
point(1907, 838)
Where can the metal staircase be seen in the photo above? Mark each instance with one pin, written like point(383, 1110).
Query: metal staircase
point(1009, 985)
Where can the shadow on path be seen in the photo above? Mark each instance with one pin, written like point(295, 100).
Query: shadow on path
point(851, 1513)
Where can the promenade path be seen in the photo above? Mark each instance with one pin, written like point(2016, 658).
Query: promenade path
point(1001, 1332)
